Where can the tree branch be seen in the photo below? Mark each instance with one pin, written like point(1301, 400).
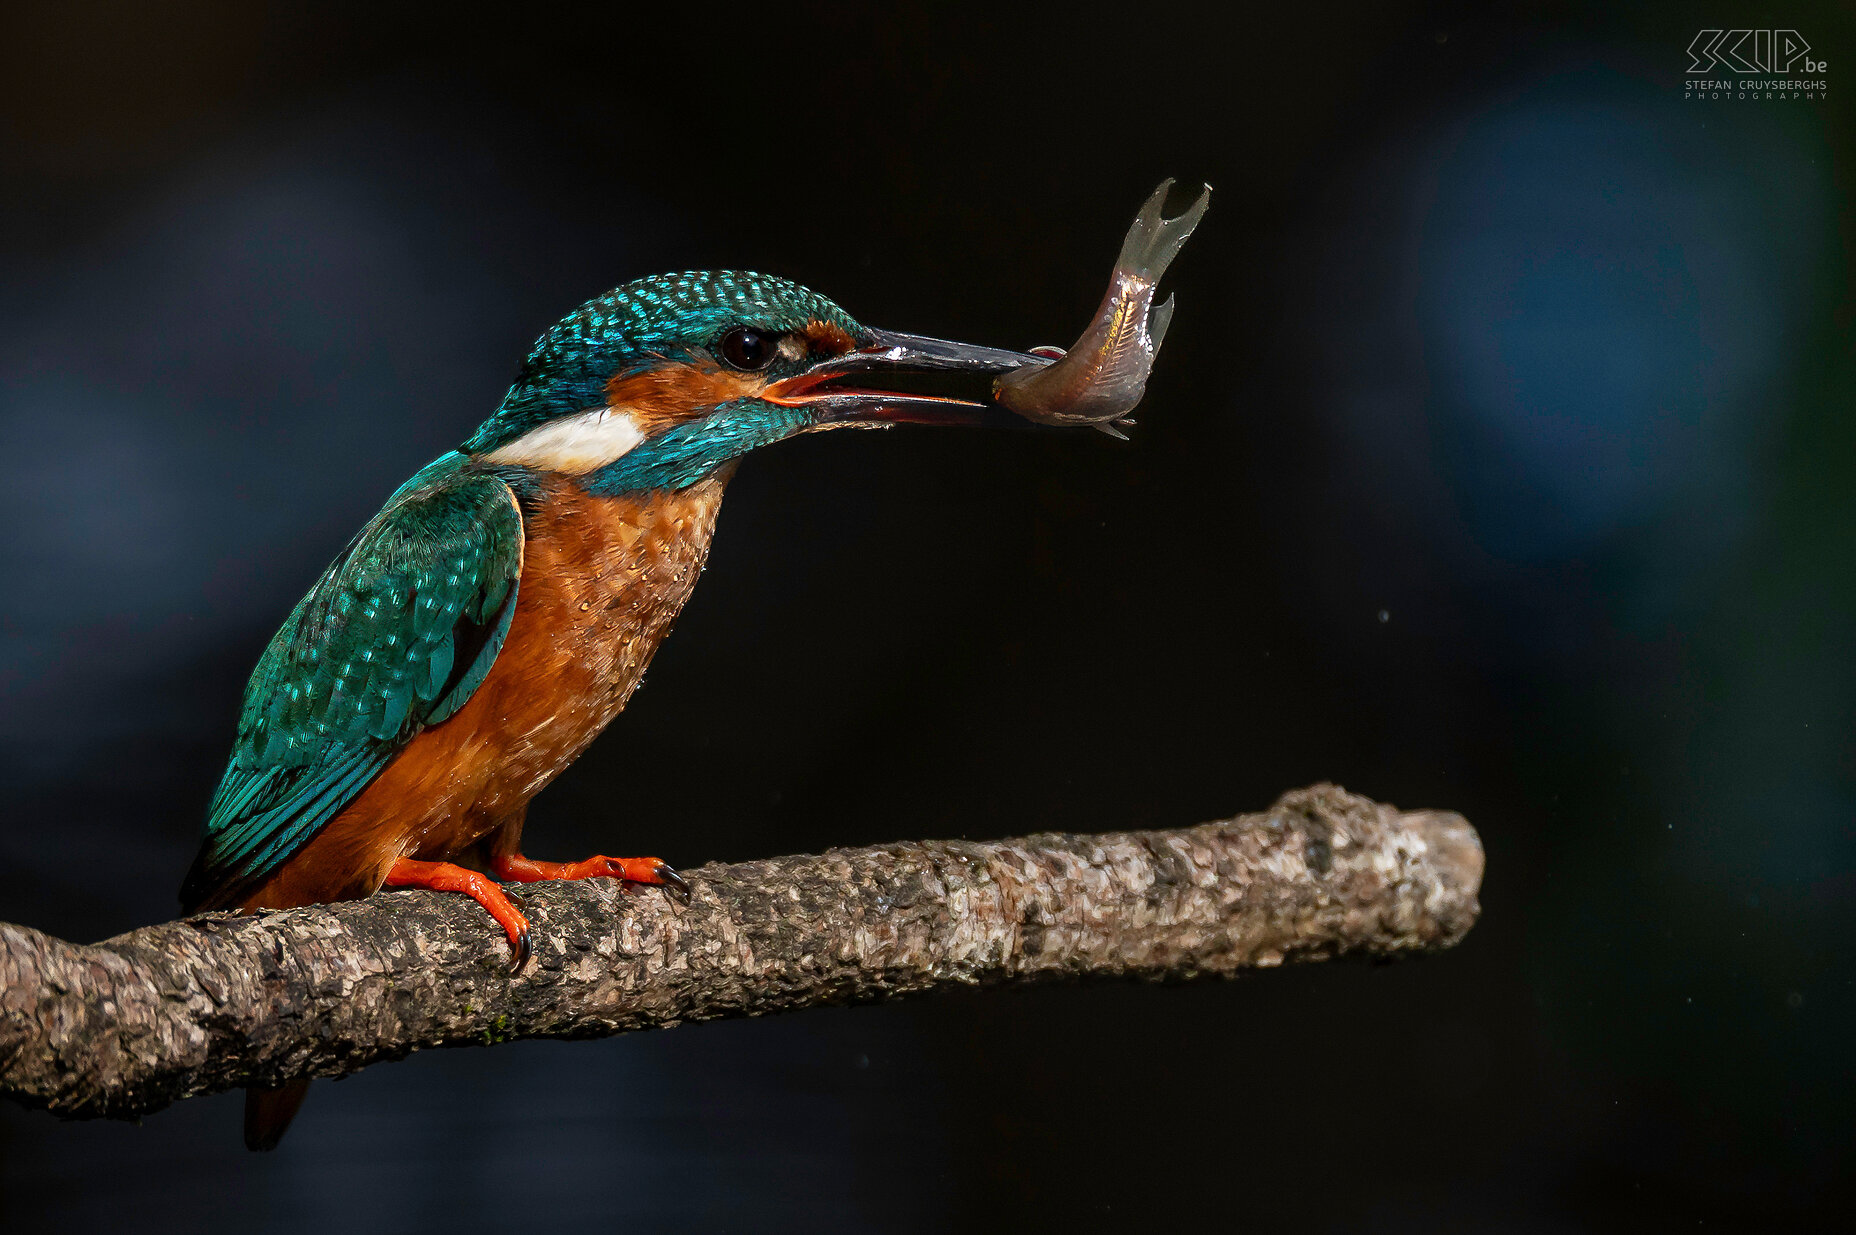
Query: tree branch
point(127, 1026)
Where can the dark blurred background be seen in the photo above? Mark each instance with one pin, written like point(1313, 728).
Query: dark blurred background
point(1499, 460)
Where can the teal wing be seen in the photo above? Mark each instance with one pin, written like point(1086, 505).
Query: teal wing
point(393, 638)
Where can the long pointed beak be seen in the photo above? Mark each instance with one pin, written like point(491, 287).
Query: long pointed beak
point(837, 391)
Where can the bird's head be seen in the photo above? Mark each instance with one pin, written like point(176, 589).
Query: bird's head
point(657, 383)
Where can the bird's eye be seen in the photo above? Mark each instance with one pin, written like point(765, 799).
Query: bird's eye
point(747, 348)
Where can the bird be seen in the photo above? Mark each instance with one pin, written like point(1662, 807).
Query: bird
point(498, 612)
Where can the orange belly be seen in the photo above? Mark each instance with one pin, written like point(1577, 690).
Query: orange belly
point(602, 581)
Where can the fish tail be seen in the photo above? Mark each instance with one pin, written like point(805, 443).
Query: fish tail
point(1154, 240)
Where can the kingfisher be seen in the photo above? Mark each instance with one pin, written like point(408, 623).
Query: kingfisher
point(482, 628)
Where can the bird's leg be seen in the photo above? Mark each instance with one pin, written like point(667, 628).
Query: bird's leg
point(514, 868)
point(444, 877)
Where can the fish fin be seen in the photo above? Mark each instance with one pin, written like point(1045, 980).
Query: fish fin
point(1160, 319)
point(1104, 426)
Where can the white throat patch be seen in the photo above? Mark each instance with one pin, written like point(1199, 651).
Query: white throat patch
point(574, 444)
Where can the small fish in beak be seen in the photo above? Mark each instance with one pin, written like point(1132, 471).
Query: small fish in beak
point(1099, 381)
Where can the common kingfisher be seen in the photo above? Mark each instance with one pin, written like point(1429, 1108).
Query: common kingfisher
point(484, 627)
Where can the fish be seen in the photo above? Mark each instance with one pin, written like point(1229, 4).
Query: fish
point(1101, 379)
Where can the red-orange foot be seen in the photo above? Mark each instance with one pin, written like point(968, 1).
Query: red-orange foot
point(444, 877)
point(514, 868)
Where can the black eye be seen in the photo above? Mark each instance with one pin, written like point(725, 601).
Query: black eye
point(747, 348)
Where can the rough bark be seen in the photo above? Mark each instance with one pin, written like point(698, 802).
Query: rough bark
point(127, 1026)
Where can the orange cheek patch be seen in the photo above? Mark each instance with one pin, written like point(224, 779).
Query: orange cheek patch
point(829, 338)
point(659, 398)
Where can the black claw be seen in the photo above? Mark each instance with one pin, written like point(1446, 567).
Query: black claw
point(523, 950)
point(673, 883)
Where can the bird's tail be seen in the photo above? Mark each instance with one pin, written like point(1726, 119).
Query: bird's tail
point(268, 1112)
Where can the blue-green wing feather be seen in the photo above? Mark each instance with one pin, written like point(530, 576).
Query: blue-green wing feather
point(394, 637)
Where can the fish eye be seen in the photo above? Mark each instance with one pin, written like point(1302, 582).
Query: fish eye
point(747, 348)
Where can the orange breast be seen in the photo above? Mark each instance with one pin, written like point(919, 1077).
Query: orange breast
point(602, 581)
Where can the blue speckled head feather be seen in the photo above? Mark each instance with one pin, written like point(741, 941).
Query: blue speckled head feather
point(639, 324)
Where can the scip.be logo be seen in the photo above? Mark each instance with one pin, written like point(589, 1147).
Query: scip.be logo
point(1752, 51)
